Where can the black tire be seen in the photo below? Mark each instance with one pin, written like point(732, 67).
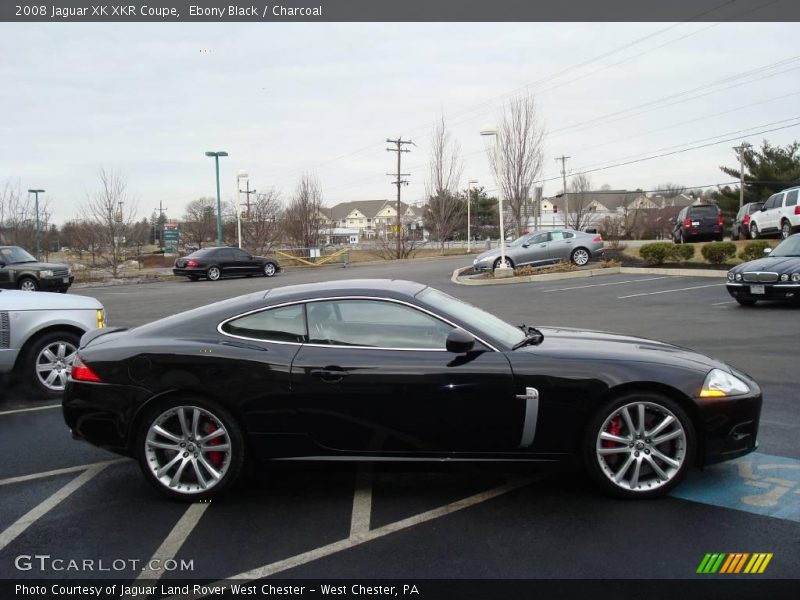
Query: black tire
point(269, 269)
point(735, 235)
point(508, 261)
point(601, 474)
point(676, 238)
point(746, 302)
point(28, 283)
point(753, 231)
point(683, 238)
point(33, 356)
point(578, 255)
point(236, 458)
point(786, 229)
point(213, 273)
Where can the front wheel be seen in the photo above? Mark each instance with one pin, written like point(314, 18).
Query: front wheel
point(213, 273)
point(190, 449)
point(269, 269)
point(753, 231)
point(28, 284)
point(639, 445)
point(580, 256)
point(48, 362)
point(509, 262)
point(786, 230)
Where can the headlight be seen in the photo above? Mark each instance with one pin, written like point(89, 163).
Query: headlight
point(738, 277)
point(795, 277)
point(719, 384)
point(785, 277)
point(45, 273)
point(101, 318)
point(69, 270)
point(730, 275)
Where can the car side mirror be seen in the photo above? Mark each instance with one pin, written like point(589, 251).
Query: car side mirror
point(763, 208)
point(767, 251)
point(459, 341)
point(526, 245)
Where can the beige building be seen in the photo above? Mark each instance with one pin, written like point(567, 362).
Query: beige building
point(372, 218)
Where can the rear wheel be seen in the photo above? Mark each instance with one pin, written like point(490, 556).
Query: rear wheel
point(213, 273)
point(190, 449)
point(639, 445)
point(48, 361)
point(753, 231)
point(580, 256)
point(28, 284)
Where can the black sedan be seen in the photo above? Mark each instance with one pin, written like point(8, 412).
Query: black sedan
point(396, 370)
point(774, 277)
point(223, 261)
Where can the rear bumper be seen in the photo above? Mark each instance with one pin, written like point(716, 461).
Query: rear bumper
point(785, 292)
point(188, 272)
point(702, 232)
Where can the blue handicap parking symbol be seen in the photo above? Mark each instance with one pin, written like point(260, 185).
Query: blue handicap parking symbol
point(758, 483)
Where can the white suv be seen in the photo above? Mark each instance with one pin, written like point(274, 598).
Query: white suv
point(780, 214)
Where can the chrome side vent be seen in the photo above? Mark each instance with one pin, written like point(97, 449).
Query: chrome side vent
point(5, 330)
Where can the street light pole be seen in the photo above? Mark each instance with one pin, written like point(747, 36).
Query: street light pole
point(216, 156)
point(489, 130)
point(469, 219)
point(38, 236)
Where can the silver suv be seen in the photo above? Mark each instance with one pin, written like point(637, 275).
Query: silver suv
point(40, 333)
point(779, 215)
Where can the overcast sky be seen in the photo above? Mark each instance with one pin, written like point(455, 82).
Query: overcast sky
point(281, 99)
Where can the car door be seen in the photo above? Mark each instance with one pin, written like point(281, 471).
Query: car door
point(375, 377)
point(766, 218)
point(561, 245)
point(244, 262)
point(6, 281)
point(227, 261)
point(534, 250)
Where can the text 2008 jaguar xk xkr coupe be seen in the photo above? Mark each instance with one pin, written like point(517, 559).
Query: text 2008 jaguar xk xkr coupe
point(379, 369)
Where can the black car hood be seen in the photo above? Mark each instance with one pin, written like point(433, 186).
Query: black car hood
point(777, 264)
point(36, 266)
point(600, 345)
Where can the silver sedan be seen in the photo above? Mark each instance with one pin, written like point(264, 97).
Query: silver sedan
point(540, 248)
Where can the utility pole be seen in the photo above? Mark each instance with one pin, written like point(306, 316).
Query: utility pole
point(563, 160)
point(247, 191)
point(399, 142)
point(740, 149)
point(38, 234)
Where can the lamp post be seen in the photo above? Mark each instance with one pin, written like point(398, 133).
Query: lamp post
point(491, 130)
point(239, 176)
point(216, 156)
point(38, 237)
point(469, 218)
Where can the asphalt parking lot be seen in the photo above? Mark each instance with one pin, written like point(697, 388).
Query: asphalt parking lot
point(71, 501)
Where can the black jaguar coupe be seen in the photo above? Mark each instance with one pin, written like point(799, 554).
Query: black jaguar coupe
point(396, 370)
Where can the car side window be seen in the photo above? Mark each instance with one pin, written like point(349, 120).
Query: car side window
point(771, 202)
point(791, 198)
point(239, 254)
point(374, 323)
point(284, 324)
point(557, 235)
point(539, 238)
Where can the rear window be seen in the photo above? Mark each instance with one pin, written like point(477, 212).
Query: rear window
point(704, 211)
point(791, 198)
point(202, 253)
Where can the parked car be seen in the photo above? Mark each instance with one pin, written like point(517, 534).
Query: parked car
point(697, 223)
point(39, 335)
point(774, 277)
point(397, 370)
point(20, 270)
point(222, 261)
point(740, 228)
point(541, 248)
point(780, 215)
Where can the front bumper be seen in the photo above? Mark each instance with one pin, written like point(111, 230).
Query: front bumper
point(731, 425)
point(772, 291)
point(55, 283)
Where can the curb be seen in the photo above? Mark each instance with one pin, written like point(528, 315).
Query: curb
point(458, 279)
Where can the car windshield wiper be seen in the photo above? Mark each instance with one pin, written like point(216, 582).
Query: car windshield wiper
point(533, 337)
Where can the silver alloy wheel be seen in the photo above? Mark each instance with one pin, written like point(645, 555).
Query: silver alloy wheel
point(188, 449)
point(580, 257)
point(269, 270)
point(213, 273)
point(753, 231)
point(786, 230)
point(28, 285)
point(54, 363)
point(641, 446)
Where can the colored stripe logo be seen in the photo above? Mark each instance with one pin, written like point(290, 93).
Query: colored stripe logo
point(734, 562)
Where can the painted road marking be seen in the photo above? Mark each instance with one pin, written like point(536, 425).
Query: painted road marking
point(694, 287)
point(172, 544)
point(723, 303)
point(579, 287)
point(63, 471)
point(757, 483)
point(362, 503)
point(22, 410)
point(33, 515)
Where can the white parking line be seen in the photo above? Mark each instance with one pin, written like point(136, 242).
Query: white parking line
point(695, 287)
point(726, 302)
point(578, 287)
point(22, 410)
point(29, 518)
point(63, 471)
point(172, 544)
point(362, 503)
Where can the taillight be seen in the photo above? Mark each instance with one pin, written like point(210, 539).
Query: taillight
point(797, 209)
point(191, 264)
point(82, 372)
point(746, 219)
point(720, 220)
point(597, 238)
point(687, 223)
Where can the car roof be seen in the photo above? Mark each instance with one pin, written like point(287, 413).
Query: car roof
point(346, 287)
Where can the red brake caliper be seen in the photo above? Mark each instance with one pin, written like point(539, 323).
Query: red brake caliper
point(215, 457)
point(614, 428)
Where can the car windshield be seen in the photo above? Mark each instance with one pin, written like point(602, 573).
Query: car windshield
point(478, 321)
point(15, 254)
point(518, 241)
point(788, 247)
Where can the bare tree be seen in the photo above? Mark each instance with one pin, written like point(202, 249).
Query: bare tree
point(581, 204)
point(200, 221)
point(446, 209)
point(302, 219)
point(262, 230)
point(410, 241)
point(670, 190)
point(521, 156)
point(113, 211)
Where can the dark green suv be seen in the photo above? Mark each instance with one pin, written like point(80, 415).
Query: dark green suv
point(20, 270)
